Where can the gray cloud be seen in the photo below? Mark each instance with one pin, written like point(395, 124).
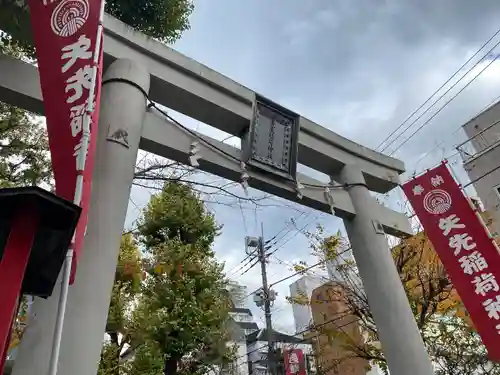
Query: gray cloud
point(358, 68)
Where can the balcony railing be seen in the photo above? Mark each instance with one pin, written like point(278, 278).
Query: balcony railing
point(481, 143)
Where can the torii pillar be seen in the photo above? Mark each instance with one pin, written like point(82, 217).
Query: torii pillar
point(123, 107)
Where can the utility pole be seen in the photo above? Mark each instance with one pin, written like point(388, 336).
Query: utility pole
point(264, 297)
point(267, 305)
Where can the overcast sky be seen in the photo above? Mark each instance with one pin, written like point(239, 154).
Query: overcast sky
point(358, 68)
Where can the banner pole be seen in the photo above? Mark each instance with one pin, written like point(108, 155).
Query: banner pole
point(63, 296)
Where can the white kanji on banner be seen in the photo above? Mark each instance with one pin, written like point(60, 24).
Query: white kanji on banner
point(437, 180)
point(418, 190)
point(447, 224)
point(80, 80)
point(78, 50)
point(461, 242)
point(492, 307)
point(484, 283)
point(473, 263)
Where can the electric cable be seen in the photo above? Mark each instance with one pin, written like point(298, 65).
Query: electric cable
point(247, 259)
point(193, 133)
point(436, 91)
point(274, 238)
point(315, 327)
point(481, 177)
point(290, 238)
point(307, 268)
point(270, 246)
point(301, 272)
point(249, 268)
point(245, 262)
point(445, 105)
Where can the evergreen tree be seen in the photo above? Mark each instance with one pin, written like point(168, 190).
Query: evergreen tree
point(125, 289)
point(176, 321)
point(24, 156)
point(164, 20)
point(183, 308)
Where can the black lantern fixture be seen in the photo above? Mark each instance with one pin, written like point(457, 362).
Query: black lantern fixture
point(36, 229)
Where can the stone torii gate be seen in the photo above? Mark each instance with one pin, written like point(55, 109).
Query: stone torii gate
point(137, 65)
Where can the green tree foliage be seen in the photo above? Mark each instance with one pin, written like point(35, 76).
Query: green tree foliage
point(169, 308)
point(24, 155)
point(183, 308)
point(24, 159)
point(177, 213)
point(164, 20)
point(119, 325)
point(15, 23)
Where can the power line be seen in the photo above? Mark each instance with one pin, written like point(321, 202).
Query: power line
point(307, 268)
point(456, 147)
point(445, 140)
point(310, 329)
point(275, 239)
point(301, 272)
point(193, 133)
point(249, 268)
point(289, 264)
point(292, 221)
point(293, 236)
point(240, 265)
point(481, 177)
point(445, 104)
point(435, 92)
point(269, 246)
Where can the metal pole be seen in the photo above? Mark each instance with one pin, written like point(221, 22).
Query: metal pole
point(399, 335)
point(81, 161)
point(267, 304)
point(61, 311)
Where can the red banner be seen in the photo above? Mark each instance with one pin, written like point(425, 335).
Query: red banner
point(65, 34)
point(294, 362)
point(469, 256)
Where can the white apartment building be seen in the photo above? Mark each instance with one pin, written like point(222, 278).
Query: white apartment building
point(481, 157)
point(239, 294)
point(244, 325)
point(302, 313)
point(240, 313)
